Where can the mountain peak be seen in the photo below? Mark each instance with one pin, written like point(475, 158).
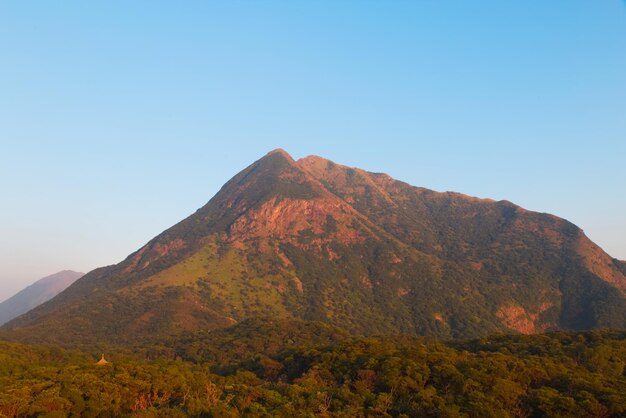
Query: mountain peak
point(316, 240)
point(36, 294)
point(280, 151)
point(67, 275)
point(314, 161)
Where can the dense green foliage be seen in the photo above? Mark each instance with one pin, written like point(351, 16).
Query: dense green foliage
point(249, 372)
point(261, 304)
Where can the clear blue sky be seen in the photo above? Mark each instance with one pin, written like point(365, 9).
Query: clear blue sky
point(118, 119)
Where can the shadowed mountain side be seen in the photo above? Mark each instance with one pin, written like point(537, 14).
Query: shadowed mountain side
point(314, 240)
point(234, 344)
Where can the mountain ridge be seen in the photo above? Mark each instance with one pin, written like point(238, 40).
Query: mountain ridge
point(315, 240)
point(37, 293)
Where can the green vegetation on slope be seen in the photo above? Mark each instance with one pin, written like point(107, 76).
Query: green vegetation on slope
point(314, 240)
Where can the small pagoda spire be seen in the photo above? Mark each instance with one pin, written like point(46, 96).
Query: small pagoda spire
point(102, 361)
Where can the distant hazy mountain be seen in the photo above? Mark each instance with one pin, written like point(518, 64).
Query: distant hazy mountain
point(314, 240)
point(36, 294)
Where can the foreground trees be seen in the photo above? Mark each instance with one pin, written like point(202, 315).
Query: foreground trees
point(557, 375)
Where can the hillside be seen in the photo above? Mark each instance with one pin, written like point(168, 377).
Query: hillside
point(314, 240)
point(37, 293)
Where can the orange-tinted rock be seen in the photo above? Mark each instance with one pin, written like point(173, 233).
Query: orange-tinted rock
point(402, 291)
point(166, 248)
point(519, 319)
point(285, 219)
point(599, 262)
point(299, 286)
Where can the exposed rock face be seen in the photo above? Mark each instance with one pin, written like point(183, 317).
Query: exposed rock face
point(287, 219)
point(600, 263)
point(315, 240)
point(519, 319)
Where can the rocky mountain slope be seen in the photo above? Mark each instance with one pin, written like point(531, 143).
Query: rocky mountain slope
point(314, 240)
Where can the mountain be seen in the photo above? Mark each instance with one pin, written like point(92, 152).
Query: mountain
point(36, 294)
point(314, 240)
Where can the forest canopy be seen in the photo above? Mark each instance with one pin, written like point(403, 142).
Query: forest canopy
point(307, 371)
